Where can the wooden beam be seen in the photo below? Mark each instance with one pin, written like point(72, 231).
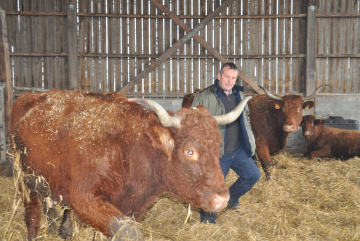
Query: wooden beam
point(205, 44)
point(72, 47)
point(5, 73)
point(310, 50)
point(176, 46)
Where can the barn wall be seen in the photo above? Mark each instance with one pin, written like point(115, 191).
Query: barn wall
point(118, 39)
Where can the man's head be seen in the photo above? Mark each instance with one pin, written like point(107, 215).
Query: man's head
point(227, 76)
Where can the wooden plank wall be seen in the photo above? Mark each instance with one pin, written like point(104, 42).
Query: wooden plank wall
point(37, 44)
point(117, 39)
point(338, 46)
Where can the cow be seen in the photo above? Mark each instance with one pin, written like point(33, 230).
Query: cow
point(326, 141)
point(273, 118)
point(107, 157)
point(189, 98)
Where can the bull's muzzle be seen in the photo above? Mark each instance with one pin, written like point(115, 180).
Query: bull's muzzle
point(290, 128)
point(219, 201)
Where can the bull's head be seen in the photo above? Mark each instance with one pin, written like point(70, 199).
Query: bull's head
point(309, 123)
point(193, 172)
point(290, 107)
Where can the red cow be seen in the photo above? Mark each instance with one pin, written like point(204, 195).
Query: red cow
point(326, 141)
point(189, 98)
point(272, 119)
point(106, 156)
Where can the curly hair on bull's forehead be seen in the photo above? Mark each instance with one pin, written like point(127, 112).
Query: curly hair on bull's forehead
point(200, 124)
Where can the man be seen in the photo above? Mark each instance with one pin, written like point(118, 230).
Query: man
point(238, 142)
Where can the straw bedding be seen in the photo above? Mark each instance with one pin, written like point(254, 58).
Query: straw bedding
point(304, 200)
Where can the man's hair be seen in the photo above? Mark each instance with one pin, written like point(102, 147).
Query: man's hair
point(230, 64)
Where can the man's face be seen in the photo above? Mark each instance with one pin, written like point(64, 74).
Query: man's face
point(227, 79)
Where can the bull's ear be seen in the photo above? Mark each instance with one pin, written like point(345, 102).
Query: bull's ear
point(308, 104)
point(162, 138)
point(276, 104)
point(317, 122)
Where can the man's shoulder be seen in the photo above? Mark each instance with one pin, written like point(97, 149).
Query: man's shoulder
point(206, 91)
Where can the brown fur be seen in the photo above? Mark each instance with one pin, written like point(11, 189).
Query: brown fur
point(107, 157)
point(189, 98)
point(326, 141)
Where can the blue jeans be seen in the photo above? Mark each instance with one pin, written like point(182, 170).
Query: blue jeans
point(245, 167)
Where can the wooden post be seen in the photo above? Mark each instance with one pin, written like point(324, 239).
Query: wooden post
point(72, 46)
point(5, 74)
point(310, 50)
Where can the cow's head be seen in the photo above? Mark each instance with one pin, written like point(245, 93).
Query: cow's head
point(191, 141)
point(288, 108)
point(309, 123)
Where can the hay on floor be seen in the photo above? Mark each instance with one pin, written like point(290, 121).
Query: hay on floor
point(304, 200)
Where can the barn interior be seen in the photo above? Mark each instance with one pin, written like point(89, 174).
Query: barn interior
point(165, 49)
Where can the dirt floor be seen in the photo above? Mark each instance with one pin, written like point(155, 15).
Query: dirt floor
point(304, 200)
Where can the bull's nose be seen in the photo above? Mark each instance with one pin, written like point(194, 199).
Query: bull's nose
point(290, 128)
point(307, 133)
point(219, 201)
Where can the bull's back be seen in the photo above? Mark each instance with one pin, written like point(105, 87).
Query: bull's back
point(22, 106)
point(70, 132)
point(343, 144)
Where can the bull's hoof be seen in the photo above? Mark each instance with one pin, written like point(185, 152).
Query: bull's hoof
point(65, 230)
point(267, 170)
point(52, 216)
point(268, 175)
point(125, 229)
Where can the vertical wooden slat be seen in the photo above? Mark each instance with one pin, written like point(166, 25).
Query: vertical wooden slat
point(72, 46)
point(310, 51)
point(5, 73)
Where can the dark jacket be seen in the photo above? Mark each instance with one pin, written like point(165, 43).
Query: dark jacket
point(210, 98)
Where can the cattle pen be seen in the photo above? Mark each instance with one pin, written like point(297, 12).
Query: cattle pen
point(163, 50)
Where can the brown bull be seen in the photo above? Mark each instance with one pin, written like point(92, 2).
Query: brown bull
point(326, 141)
point(106, 156)
point(272, 119)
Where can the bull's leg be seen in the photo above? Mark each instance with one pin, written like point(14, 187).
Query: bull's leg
point(265, 160)
point(32, 215)
point(320, 153)
point(99, 213)
point(51, 216)
point(65, 230)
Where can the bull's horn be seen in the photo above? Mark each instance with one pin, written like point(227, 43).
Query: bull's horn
point(234, 114)
point(315, 92)
point(270, 95)
point(323, 117)
point(164, 118)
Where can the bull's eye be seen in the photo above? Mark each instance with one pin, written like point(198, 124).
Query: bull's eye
point(191, 154)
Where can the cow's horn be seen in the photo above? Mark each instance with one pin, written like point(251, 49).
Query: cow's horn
point(234, 114)
point(164, 118)
point(270, 95)
point(315, 92)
